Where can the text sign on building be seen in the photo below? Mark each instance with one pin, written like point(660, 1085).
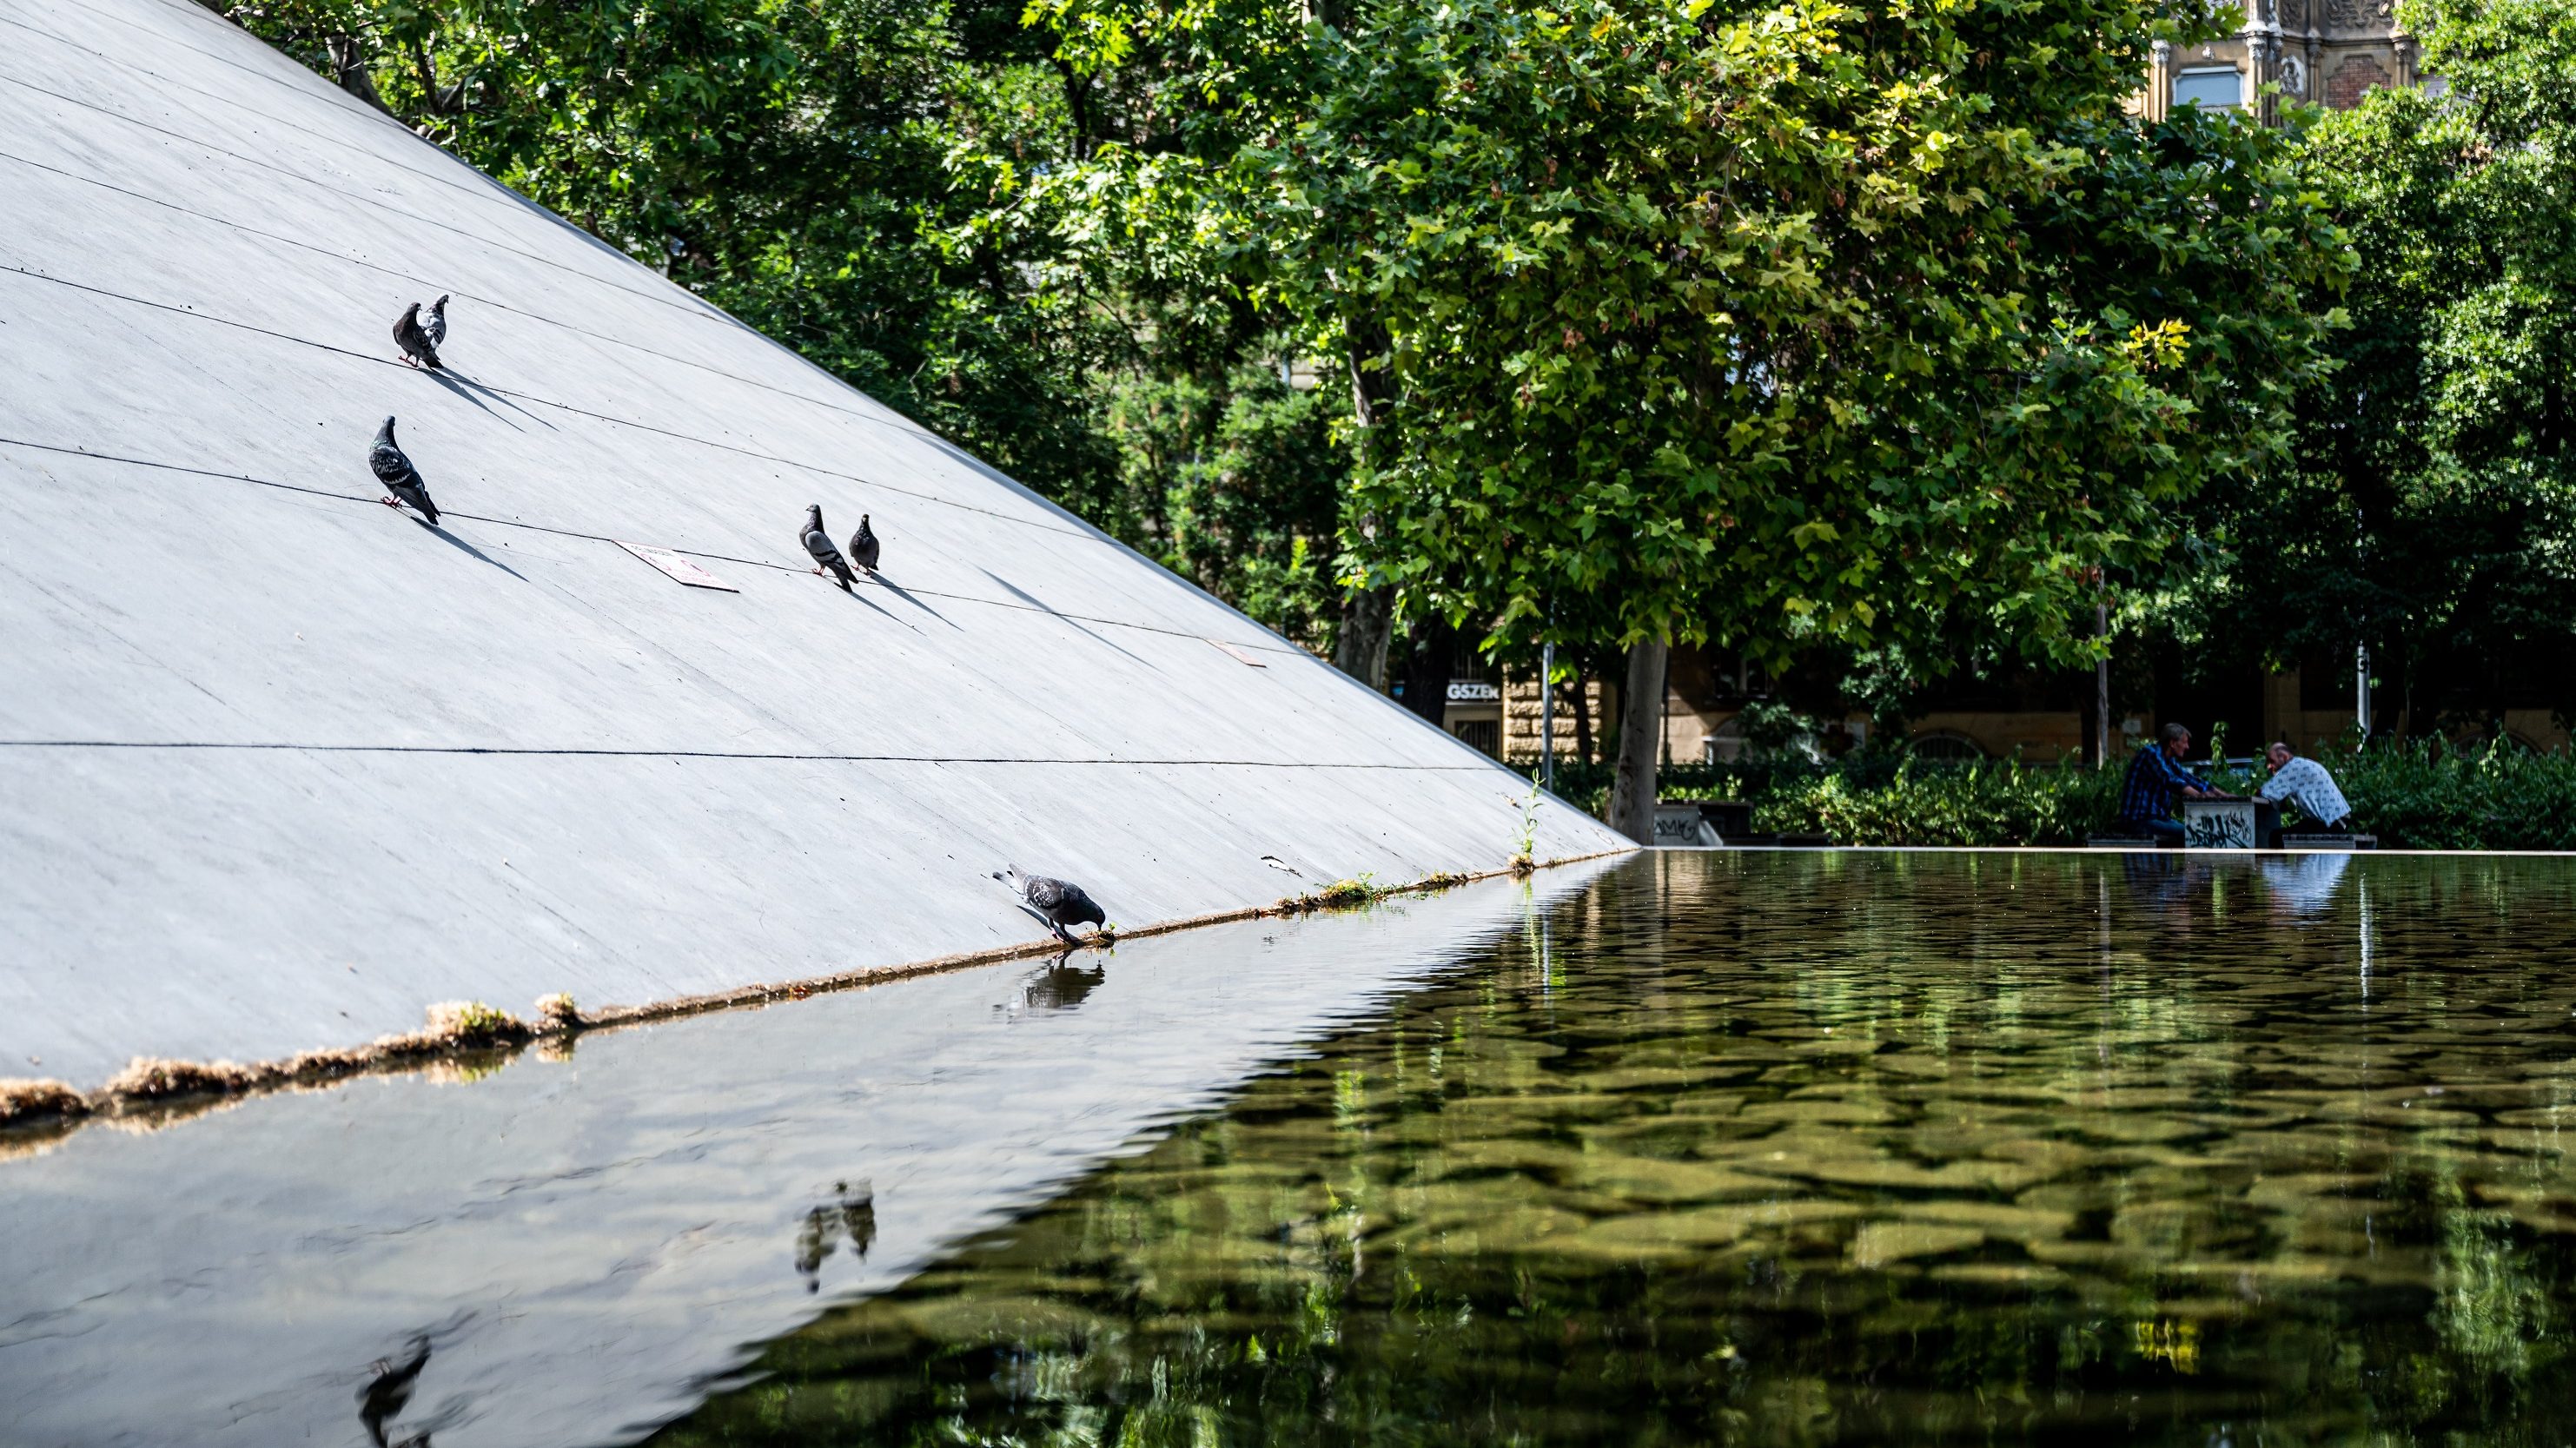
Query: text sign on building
point(1470, 691)
point(678, 567)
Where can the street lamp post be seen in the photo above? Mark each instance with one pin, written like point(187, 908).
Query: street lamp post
point(1547, 714)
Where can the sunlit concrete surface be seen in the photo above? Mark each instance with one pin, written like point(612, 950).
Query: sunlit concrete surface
point(282, 767)
point(588, 1243)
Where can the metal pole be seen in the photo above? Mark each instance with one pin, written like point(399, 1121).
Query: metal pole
point(1547, 715)
point(2361, 688)
point(2102, 684)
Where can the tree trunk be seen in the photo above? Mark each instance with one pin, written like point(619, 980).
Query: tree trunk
point(1426, 670)
point(1367, 616)
point(349, 67)
point(1632, 787)
point(1367, 613)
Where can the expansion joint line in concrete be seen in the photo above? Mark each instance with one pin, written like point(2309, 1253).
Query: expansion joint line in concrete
point(743, 756)
point(1289, 651)
point(895, 423)
point(692, 306)
point(192, 314)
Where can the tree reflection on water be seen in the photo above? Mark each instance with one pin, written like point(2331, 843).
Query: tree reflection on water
point(1823, 1148)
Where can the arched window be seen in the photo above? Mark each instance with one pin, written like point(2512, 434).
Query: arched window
point(1944, 746)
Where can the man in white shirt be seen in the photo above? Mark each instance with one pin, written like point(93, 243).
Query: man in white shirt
point(2305, 783)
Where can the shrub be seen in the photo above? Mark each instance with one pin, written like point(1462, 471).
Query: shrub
point(2423, 795)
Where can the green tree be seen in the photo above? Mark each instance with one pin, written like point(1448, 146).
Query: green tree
point(1779, 326)
point(2427, 506)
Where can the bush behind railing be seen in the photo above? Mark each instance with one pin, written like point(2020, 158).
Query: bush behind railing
point(2412, 796)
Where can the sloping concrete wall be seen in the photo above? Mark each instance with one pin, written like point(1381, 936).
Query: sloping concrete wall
point(281, 766)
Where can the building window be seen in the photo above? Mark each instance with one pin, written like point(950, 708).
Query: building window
point(2209, 89)
point(1480, 734)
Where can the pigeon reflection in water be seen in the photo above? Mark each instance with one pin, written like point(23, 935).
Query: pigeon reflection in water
point(385, 1396)
point(1061, 987)
point(850, 1216)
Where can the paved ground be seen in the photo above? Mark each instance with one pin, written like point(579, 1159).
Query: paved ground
point(283, 766)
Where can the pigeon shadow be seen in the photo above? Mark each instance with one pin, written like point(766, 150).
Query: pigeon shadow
point(1034, 602)
point(905, 594)
point(440, 377)
point(470, 550)
point(505, 399)
point(880, 608)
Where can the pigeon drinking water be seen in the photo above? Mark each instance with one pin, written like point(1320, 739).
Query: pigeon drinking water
point(395, 471)
point(434, 326)
point(819, 543)
point(1056, 903)
point(864, 546)
point(418, 346)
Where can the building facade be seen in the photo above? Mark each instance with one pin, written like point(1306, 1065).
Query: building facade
point(2325, 52)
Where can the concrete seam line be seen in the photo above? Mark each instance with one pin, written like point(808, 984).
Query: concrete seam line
point(192, 313)
point(1284, 650)
point(896, 422)
point(699, 310)
point(745, 756)
point(37, 1113)
point(303, 128)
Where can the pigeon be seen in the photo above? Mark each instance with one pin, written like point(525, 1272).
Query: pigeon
point(863, 545)
point(434, 326)
point(819, 543)
point(396, 472)
point(418, 346)
point(1057, 903)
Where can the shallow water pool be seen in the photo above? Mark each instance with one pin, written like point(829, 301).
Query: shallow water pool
point(1823, 1148)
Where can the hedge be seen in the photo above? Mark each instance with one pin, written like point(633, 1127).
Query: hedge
point(2412, 796)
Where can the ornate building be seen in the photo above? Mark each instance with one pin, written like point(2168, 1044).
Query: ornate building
point(2326, 51)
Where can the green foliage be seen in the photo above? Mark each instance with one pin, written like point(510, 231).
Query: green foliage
point(2420, 796)
point(2434, 486)
point(1779, 325)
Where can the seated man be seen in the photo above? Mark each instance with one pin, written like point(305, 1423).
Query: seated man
point(2156, 779)
point(2305, 783)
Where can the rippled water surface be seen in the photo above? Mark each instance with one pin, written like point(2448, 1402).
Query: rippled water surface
point(1819, 1148)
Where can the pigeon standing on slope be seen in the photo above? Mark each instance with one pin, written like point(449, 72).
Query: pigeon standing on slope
point(1056, 903)
point(418, 346)
point(819, 543)
point(434, 326)
point(395, 471)
point(864, 546)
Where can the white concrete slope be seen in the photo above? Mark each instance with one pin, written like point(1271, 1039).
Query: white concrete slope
point(278, 766)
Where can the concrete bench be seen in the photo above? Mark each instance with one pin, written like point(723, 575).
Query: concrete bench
point(2295, 841)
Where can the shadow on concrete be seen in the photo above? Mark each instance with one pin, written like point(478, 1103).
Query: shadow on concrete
point(450, 374)
point(440, 377)
point(477, 554)
point(899, 591)
point(1034, 602)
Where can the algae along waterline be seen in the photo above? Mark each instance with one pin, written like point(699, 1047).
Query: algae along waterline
point(1736, 1147)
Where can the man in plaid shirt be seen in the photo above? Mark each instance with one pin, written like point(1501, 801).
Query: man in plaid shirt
point(2156, 780)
